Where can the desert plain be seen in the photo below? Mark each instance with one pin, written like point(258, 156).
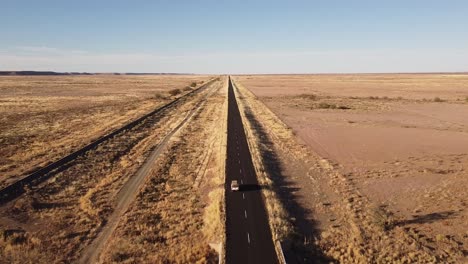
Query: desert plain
point(124, 199)
point(399, 143)
point(353, 168)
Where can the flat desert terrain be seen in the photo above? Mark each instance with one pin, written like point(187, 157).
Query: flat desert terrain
point(365, 168)
point(400, 142)
point(151, 193)
point(46, 117)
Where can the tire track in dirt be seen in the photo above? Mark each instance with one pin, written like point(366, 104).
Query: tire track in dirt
point(131, 188)
point(17, 188)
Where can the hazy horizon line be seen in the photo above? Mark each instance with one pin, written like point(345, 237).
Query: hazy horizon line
point(201, 73)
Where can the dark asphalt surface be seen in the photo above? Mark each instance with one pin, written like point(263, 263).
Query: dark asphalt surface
point(248, 238)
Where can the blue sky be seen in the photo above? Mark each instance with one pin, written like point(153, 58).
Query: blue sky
point(234, 36)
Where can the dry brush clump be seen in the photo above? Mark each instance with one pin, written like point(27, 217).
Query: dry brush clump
point(321, 104)
point(313, 101)
point(174, 92)
point(312, 97)
point(324, 105)
point(159, 96)
point(18, 246)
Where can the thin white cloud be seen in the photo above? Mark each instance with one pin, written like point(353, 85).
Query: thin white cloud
point(37, 49)
point(324, 61)
point(42, 50)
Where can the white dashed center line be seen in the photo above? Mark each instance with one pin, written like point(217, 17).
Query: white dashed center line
point(248, 237)
point(245, 213)
point(243, 196)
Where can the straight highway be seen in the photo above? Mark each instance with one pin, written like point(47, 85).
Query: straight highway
point(248, 238)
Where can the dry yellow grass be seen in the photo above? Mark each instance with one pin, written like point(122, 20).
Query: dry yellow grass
point(61, 216)
point(179, 211)
point(451, 87)
point(44, 118)
point(214, 214)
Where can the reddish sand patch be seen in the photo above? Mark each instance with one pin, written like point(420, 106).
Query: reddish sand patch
point(358, 139)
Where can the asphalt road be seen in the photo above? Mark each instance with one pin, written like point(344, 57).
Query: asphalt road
point(248, 238)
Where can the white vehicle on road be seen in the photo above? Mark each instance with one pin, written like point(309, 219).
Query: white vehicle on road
point(234, 186)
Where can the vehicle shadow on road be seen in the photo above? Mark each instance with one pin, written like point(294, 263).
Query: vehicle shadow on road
point(299, 248)
point(250, 187)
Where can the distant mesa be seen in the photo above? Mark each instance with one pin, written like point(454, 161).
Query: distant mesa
point(24, 73)
point(4, 73)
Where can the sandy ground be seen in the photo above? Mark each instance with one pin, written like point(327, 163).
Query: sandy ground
point(401, 140)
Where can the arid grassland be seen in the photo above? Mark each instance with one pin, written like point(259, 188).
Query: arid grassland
point(45, 117)
point(179, 211)
point(366, 168)
point(59, 220)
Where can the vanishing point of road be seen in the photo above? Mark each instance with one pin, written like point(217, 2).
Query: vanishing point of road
point(248, 238)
